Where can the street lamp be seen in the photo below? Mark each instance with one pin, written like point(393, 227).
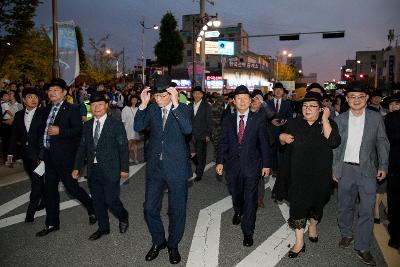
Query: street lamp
point(199, 26)
point(155, 27)
point(109, 52)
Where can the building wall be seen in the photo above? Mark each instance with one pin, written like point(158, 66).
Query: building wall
point(391, 65)
point(371, 64)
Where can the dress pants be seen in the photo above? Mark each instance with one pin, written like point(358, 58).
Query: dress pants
point(244, 198)
point(54, 172)
point(105, 195)
point(37, 186)
point(200, 145)
point(393, 194)
point(351, 185)
point(177, 198)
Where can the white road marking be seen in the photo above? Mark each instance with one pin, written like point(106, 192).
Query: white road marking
point(204, 250)
point(21, 200)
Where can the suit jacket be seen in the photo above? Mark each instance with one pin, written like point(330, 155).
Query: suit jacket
point(392, 123)
point(202, 121)
point(63, 146)
point(30, 141)
point(374, 150)
point(253, 154)
point(171, 141)
point(111, 151)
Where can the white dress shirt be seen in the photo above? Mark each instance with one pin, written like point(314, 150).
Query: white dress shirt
point(354, 137)
point(196, 106)
point(28, 118)
point(246, 116)
point(102, 121)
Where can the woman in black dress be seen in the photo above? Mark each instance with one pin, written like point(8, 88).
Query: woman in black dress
point(308, 164)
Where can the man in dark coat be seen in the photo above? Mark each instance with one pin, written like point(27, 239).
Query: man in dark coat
point(168, 165)
point(26, 131)
point(105, 147)
point(202, 129)
point(243, 153)
point(62, 127)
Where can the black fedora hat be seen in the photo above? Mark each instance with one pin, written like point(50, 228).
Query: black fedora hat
point(197, 89)
point(376, 93)
point(389, 99)
point(162, 83)
point(356, 86)
point(97, 96)
point(315, 85)
point(278, 85)
point(241, 89)
point(30, 91)
point(58, 82)
point(312, 96)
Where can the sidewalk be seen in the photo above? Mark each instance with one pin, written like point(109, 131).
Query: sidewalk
point(13, 175)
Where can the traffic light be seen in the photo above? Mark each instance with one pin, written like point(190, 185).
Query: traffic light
point(289, 37)
point(361, 76)
point(328, 35)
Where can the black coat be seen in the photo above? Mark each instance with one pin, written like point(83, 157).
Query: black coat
point(202, 121)
point(29, 141)
point(392, 124)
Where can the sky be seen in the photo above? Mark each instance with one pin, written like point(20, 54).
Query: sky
point(366, 23)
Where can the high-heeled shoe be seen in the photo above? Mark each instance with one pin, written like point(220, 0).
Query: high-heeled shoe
point(293, 254)
point(313, 239)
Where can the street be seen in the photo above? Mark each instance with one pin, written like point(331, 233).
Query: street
point(210, 239)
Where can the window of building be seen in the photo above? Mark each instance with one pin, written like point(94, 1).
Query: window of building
point(189, 53)
point(207, 64)
point(231, 35)
point(189, 40)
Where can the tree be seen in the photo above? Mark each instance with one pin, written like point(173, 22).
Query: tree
point(169, 50)
point(31, 60)
point(81, 52)
point(16, 20)
point(287, 72)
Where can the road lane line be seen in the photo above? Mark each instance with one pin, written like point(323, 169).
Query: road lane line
point(21, 200)
point(206, 168)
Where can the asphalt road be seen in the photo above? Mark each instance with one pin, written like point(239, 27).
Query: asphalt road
point(223, 241)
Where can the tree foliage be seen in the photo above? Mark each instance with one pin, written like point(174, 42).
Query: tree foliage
point(169, 50)
point(32, 59)
point(101, 66)
point(287, 72)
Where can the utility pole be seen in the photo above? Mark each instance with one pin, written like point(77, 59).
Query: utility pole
point(142, 23)
point(56, 66)
point(123, 65)
point(202, 45)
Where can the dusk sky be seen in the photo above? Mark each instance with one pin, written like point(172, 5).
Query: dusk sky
point(366, 23)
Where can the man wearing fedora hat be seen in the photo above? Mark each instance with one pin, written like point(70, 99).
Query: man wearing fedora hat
point(105, 147)
point(244, 154)
point(168, 164)
point(202, 129)
point(61, 128)
point(360, 160)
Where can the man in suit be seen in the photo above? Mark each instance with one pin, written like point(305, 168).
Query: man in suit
point(168, 164)
point(105, 147)
point(243, 153)
point(358, 162)
point(62, 127)
point(283, 112)
point(202, 129)
point(26, 131)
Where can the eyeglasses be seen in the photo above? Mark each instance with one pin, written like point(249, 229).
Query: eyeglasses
point(310, 106)
point(356, 97)
point(160, 96)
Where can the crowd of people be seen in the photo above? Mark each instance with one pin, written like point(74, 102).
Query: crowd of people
point(351, 138)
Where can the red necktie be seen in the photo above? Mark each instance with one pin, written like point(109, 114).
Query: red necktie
point(241, 129)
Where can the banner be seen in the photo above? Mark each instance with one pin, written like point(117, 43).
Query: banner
point(67, 51)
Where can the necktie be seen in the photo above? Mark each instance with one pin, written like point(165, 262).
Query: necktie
point(241, 129)
point(96, 133)
point(50, 121)
point(277, 106)
point(164, 117)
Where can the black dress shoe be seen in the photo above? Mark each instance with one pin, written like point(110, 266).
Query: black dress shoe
point(248, 240)
point(154, 250)
point(293, 254)
point(96, 235)
point(174, 256)
point(313, 239)
point(29, 218)
point(236, 220)
point(198, 178)
point(47, 230)
point(123, 226)
point(92, 219)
